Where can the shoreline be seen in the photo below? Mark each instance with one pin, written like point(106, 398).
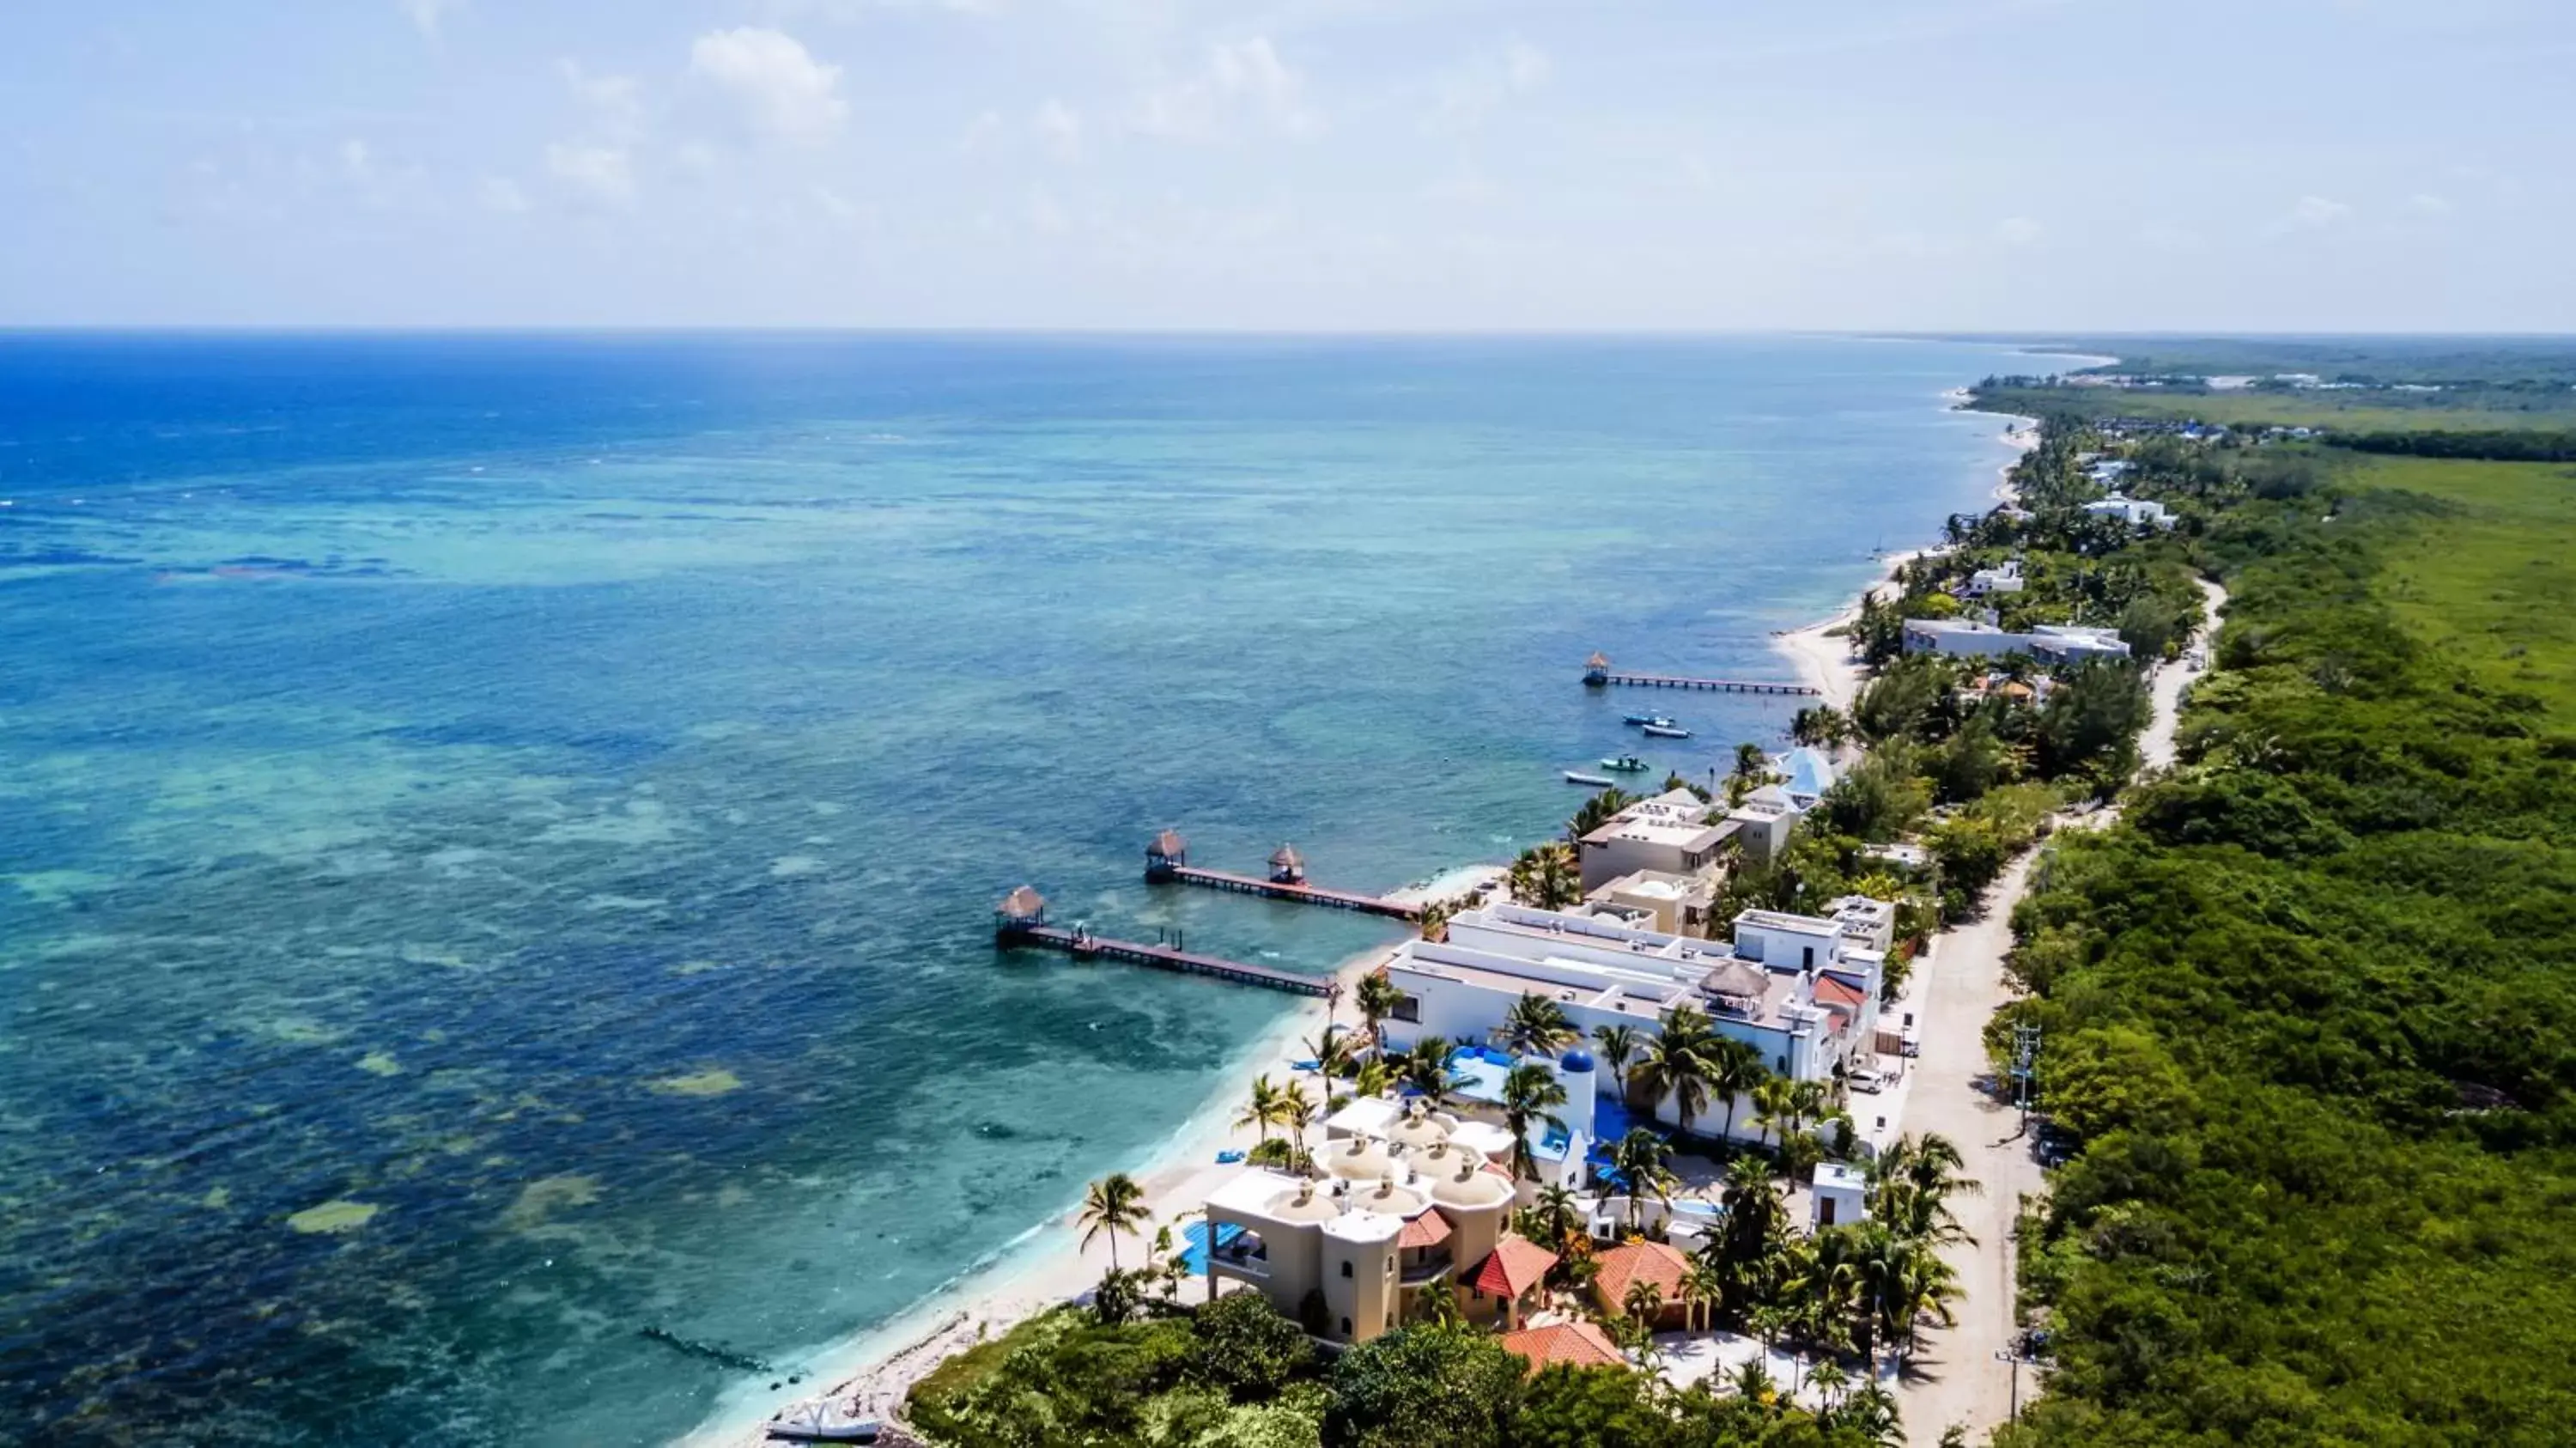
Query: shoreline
point(871, 1371)
point(1047, 1266)
point(1823, 659)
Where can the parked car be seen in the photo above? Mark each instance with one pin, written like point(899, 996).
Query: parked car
point(1869, 1081)
point(1911, 1043)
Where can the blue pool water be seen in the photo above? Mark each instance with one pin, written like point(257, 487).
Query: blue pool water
point(499, 831)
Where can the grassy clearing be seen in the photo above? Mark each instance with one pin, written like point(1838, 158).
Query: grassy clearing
point(2491, 578)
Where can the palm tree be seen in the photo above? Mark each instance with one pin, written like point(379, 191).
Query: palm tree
point(1375, 1078)
point(1873, 1413)
point(1675, 1063)
point(1331, 1050)
point(1643, 1301)
point(1378, 999)
point(1426, 1069)
point(1297, 1112)
point(1774, 1107)
point(1638, 1158)
point(1618, 1047)
point(1262, 1109)
point(1596, 812)
point(1547, 876)
point(1554, 1207)
point(1755, 1215)
point(1434, 920)
point(1535, 1026)
point(1734, 1067)
point(1808, 1101)
point(1702, 1286)
point(1829, 1379)
point(1752, 1382)
point(1529, 1090)
point(1113, 1204)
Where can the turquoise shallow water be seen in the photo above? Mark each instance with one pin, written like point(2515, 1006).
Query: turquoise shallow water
point(549, 791)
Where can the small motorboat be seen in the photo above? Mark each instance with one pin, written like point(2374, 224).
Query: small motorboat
point(1636, 718)
point(827, 1424)
point(1650, 722)
point(1595, 781)
point(1625, 764)
point(1668, 730)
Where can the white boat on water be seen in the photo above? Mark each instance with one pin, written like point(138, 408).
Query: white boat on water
point(1667, 731)
point(1595, 781)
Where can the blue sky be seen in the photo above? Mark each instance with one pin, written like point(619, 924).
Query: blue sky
point(1336, 164)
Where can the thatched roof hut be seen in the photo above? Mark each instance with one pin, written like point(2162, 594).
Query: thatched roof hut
point(1024, 906)
point(1287, 865)
point(1736, 985)
point(1169, 845)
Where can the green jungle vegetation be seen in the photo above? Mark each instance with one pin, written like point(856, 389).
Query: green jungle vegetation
point(1236, 1374)
point(2308, 1011)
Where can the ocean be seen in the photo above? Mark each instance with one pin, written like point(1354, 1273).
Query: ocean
point(498, 833)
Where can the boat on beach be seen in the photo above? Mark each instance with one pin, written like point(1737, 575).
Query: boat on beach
point(1668, 730)
point(827, 1425)
point(1596, 781)
point(1625, 764)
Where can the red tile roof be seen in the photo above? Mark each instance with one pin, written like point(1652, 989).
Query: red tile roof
point(1661, 1263)
point(1579, 1343)
point(1516, 1265)
point(1428, 1230)
point(1832, 992)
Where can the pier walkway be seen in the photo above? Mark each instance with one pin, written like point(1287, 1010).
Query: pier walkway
point(1598, 674)
point(1083, 945)
point(1167, 862)
point(1284, 890)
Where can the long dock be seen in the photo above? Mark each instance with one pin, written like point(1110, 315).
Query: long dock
point(1086, 946)
point(1674, 681)
point(1303, 894)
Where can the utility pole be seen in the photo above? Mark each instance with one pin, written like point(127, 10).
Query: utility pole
point(2025, 1061)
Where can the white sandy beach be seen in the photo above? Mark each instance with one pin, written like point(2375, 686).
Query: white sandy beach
point(873, 1371)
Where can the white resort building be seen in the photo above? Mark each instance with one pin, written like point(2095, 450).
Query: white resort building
point(1803, 990)
point(2136, 512)
point(2056, 643)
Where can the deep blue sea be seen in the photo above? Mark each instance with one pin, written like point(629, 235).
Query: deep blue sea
point(497, 833)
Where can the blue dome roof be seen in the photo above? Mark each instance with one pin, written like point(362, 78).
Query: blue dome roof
point(1575, 1060)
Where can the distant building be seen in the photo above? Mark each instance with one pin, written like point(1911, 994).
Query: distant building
point(2136, 512)
point(2048, 642)
point(1658, 900)
point(1671, 833)
point(1764, 821)
point(2002, 578)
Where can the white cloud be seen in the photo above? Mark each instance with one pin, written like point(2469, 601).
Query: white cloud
point(780, 85)
point(428, 15)
point(615, 102)
point(1241, 78)
point(984, 133)
point(2318, 211)
point(2016, 231)
point(599, 173)
point(2425, 203)
point(1467, 95)
point(1059, 129)
point(499, 193)
point(356, 160)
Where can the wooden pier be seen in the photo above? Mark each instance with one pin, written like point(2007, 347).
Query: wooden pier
point(1167, 862)
point(1597, 674)
point(1021, 923)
